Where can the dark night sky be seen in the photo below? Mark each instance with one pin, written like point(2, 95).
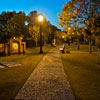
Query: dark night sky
point(49, 8)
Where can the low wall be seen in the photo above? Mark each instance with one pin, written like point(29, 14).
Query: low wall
point(1, 47)
point(14, 46)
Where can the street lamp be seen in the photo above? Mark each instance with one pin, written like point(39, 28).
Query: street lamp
point(40, 18)
point(63, 36)
point(69, 28)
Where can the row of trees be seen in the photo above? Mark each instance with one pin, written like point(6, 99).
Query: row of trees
point(14, 24)
point(82, 17)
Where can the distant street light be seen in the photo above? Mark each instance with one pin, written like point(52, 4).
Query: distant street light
point(40, 18)
point(69, 28)
point(63, 36)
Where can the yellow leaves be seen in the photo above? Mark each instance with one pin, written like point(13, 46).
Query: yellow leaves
point(59, 34)
point(58, 14)
point(68, 4)
point(67, 8)
point(34, 31)
point(75, 12)
point(59, 23)
point(34, 28)
point(67, 14)
point(60, 17)
point(65, 28)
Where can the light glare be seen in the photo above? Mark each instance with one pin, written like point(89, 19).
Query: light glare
point(63, 36)
point(69, 28)
point(40, 18)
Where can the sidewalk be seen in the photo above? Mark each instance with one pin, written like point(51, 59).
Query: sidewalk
point(48, 81)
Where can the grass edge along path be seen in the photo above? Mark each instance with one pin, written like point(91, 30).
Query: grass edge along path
point(83, 74)
point(12, 79)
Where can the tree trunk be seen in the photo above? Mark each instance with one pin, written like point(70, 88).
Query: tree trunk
point(98, 57)
point(4, 48)
point(94, 41)
point(36, 42)
point(90, 46)
point(9, 53)
point(78, 46)
point(19, 52)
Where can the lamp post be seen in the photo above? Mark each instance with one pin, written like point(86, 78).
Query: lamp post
point(40, 18)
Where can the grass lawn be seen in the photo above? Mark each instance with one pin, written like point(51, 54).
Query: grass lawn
point(82, 72)
point(12, 79)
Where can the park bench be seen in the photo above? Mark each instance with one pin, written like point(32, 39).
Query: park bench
point(62, 49)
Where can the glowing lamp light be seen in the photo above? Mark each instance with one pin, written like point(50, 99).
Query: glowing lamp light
point(69, 28)
point(63, 36)
point(15, 46)
point(40, 18)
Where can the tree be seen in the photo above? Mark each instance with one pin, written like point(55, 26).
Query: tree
point(52, 34)
point(13, 24)
point(46, 31)
point(16, 25)
point(77, 13)
point(33, 21)
point(32, 18)
point(4, 17)
point(4, 34)
point(34, 31)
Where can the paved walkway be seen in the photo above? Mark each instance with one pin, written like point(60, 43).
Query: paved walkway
point(48, 81)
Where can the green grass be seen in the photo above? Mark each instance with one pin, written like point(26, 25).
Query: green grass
point(82, 72)
point(84, 48)
point(12, 79)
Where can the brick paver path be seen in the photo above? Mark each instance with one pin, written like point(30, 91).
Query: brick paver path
point(48, 81)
